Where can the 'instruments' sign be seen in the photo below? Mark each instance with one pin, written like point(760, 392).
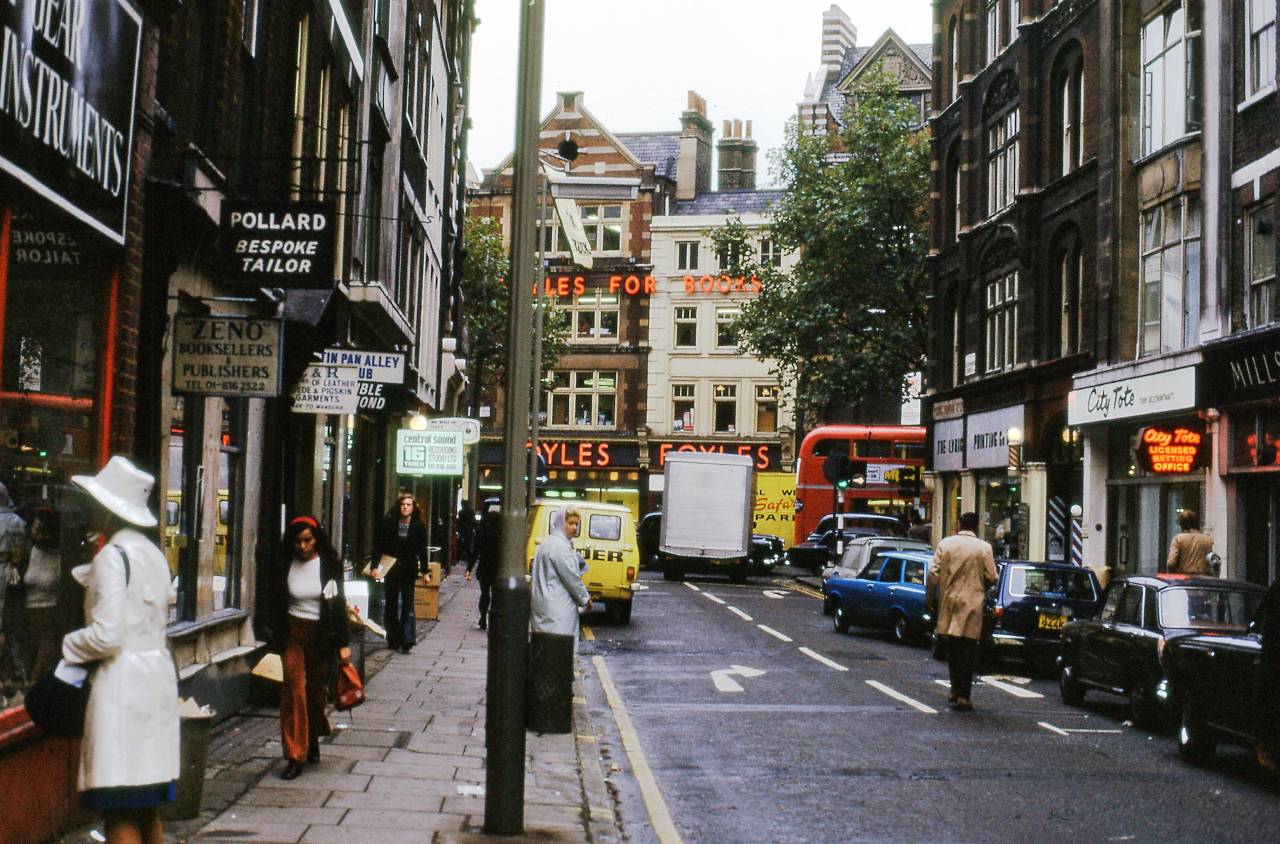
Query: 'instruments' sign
point(68, 73)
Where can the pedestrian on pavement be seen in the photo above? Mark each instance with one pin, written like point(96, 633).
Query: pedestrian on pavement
point(402, 535)
point(1189, 551)
point(43, 585)
point(962, 570)
point(484, 560)
point(920, 529)
point(558, 590)
point(129, 757)
point(13, 551)
point(465, 530)
point(305, 621)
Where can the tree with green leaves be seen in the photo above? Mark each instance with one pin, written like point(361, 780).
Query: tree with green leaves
point(487, 311)
point(848, 321)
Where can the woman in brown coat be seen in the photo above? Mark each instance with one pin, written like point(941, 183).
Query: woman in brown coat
point(963, 567)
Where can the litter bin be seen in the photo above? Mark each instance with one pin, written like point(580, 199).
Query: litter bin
point(196, 722)
point(550, 695)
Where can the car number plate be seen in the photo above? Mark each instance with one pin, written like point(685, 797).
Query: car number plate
point(1051, 621)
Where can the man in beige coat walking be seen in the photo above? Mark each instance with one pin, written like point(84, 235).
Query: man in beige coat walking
point(963, 567)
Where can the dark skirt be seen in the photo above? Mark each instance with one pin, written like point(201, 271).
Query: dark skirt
point(130, 796)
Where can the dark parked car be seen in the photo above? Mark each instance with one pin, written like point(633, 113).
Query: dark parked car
point(1029, 605)
point(1212, 677)
point(826, 548)
point(876, 524)
point(1120, 650)
point(887, 593)
point(767, 551)
point(648, 535)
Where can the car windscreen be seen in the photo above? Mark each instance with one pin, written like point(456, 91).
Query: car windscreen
point(1206, 608)
point(1036, 581)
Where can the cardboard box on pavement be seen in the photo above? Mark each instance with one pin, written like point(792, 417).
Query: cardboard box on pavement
point(434, 575)
point(426, 601)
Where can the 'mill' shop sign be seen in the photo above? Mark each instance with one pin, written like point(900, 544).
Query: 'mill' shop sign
point(279, 244)
point(68, 76)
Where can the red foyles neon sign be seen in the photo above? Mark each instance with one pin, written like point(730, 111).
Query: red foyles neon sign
point(1173, 451)
point(760, 453)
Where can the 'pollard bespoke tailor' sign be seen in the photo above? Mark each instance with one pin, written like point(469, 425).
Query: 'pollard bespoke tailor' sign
point(68, 76)
point(279, 244)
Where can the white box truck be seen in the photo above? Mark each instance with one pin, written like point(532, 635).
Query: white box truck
point(706, 514)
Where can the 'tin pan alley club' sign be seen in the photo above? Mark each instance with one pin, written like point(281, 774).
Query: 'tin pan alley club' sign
point(68, 76)
point(279, 244)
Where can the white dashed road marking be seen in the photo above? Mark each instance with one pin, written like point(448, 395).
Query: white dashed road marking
point(714, 598)
point(1006, 687)
point(820, 658)
point(897, 695)
point(774, 633)
point(1053, 729)
point(739, 613)
point(691, 586)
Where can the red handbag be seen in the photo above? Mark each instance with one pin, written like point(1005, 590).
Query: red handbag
point(349, 692)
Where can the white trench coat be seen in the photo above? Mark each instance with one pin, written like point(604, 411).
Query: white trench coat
point(557, 587)
point(131, 725)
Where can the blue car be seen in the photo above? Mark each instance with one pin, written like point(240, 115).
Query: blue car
point(888, 593)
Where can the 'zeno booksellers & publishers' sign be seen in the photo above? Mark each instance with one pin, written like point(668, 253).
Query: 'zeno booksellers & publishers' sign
point(68, 81)
point(226, 356)
point(428, 452)
point(278, 244)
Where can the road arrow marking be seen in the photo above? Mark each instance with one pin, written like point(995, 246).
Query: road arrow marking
point(775, 593)
point(739, 613)
point(724, 684)
point(775, 633)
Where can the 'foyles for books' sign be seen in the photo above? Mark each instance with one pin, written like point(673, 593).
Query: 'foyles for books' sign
point(68, 75)
point(279, 244)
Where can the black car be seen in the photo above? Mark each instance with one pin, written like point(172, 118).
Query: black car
point(1212, 676)
point(824, 549)
point(767, 551)
point(1120, 650)
point(648, 535)
point(1029, 605)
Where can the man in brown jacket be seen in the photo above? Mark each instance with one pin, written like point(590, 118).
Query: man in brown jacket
point(963, 567)
point(1189, 551)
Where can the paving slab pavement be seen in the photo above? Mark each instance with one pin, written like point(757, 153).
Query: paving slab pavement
point(406, 766)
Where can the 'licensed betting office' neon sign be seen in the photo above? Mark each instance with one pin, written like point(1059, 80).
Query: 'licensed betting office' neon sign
point(1171, 451)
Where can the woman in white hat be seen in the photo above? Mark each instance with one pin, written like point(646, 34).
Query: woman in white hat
point(129, 757)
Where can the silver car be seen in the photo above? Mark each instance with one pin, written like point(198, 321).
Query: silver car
point(858, 553)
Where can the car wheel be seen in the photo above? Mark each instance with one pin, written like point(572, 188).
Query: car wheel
point(901, 630)
point(1142, 705)
point(1071, 689)
point(620, 611)
point(672, 574)
point(840, 619)
point(828, 605)
point(1196, 743)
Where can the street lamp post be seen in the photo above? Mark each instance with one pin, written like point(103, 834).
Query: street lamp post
point(509, 625)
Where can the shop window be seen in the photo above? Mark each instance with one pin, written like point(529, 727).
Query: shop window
point(726, 408)
point(1002, 161)
point(1260, 249)
point(1170, 76)
point(686, 327)
point(726, 328)
point(1260, 52)
point(1003, 517)
point(582, 398)
point(767, 408)
point(682, 407)
point(687, 255)
point(594, 317)
point(1255, 439)
point(1002, 322)
point(1170, 301)
point(227, 527)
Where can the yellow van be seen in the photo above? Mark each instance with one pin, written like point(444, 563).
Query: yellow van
point(607, 543)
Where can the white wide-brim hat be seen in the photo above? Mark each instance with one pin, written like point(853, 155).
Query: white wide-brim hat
point(123, 489)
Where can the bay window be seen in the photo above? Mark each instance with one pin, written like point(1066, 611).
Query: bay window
point(1170, 76)
point(1170, 277)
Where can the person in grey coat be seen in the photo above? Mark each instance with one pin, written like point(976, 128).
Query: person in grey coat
point(558, 590)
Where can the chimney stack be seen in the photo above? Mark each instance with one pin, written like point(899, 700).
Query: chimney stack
point(838, 35)
point(737, 153)
point(693, 166)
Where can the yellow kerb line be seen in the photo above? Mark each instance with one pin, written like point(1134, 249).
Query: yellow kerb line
point(659, 817)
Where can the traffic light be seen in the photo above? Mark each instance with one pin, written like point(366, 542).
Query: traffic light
point(843, 472)
point(909, 482)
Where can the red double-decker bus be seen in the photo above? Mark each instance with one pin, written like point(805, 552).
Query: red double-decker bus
point(885, 448)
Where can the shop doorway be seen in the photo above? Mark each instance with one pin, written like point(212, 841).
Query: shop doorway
point(1260, 506)
point(1146, 520)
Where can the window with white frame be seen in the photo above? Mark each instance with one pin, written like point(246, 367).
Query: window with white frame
point(683, 407)
point(767, 408)
point(686, 336)
point(1071, 117)
point(1260, 257)
point(953, 190)
point(687, 255)
point(957, 344)
point(594, 316)
point(1002, 322)
point(1170, 76)
point(249, 27)
point(299, 103)
point(1260, 52)
point(726, 330)
point(581, 398)
point(726, 408)
point(954, 41)
point(602, 224)
point(322, 132)
point(1170, 301)
point(1071, 280)
point(770, 252)
point(1002, 161)
point(993, 30)
point(1014, 8)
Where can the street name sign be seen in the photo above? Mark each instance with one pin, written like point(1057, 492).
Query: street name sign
point(428, 452)
point(228, 356)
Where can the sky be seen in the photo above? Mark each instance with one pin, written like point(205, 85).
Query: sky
point(636, 59)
